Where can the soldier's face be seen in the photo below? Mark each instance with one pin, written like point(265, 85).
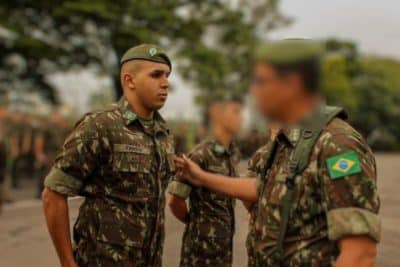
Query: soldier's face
point(151, 84)
point(231, 117)
point(272, 92)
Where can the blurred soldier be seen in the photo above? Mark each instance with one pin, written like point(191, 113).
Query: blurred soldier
point(208, 236)
point(121, 160)
point(47, 143)
point(181, 139)
point(318, 201)
point(15, 132)
point(3, 150)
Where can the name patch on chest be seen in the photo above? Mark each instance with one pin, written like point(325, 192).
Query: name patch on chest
point(131, 149)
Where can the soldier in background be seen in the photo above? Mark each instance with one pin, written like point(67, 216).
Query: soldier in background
point(3, 151)
point(181, 138)
point(49, 139)
point(208, 237)
point(16, 134)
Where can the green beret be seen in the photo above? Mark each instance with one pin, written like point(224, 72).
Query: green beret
point(146, 52)
point(290, 51)
point(220, 96)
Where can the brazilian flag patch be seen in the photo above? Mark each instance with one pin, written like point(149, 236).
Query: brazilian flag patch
point(343, 165)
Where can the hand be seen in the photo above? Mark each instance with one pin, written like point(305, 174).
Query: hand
point(69, 264)
point(188, 171)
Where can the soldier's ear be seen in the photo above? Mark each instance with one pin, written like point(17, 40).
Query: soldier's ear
point(128, 81)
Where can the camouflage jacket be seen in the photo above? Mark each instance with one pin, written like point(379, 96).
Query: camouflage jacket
point(335, 196)
point(122, 166)
point(256, 169)
point(208, 236)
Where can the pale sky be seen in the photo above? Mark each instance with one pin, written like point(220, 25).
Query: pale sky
point(374, 25)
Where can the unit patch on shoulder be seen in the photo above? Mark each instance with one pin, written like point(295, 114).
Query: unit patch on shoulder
point(343, 165)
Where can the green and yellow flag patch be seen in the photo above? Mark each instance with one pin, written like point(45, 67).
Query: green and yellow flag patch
point(343, 165)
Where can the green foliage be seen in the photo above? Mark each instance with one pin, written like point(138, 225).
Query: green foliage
point(212, 40)
point(369, 88)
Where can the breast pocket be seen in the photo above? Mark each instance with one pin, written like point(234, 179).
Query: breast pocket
point(132, 166)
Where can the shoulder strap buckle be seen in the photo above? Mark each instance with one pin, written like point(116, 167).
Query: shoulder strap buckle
point(307, 134)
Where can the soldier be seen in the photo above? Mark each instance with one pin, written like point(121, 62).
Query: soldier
point(120, 159)
point(318, 201)
point(208, 236)
point(48, 140)
point(3, 151)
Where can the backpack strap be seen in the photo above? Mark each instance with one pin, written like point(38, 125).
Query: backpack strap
point(298, 161)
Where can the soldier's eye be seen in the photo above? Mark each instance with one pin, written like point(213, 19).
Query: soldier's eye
point(156, 74)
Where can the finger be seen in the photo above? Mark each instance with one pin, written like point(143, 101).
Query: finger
point(181, 160)
point(180, 165)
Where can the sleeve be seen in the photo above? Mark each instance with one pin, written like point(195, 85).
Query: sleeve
point(255, 166)
point(181, 189)
point(77, 159)
point(347, 172)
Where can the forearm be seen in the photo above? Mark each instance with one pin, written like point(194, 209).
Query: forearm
point(346, 260)
point(357, 251)
point(244, 189)
point(178, 208)
point(57, 218)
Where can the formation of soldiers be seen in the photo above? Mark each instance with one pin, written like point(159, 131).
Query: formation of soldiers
point(29, 144)
point(310, 190)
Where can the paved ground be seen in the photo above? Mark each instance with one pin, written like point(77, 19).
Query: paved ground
point(24, 240)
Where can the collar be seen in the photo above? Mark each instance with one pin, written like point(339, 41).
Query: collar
point(289, 135)
point(130, 116)
point(219, 149)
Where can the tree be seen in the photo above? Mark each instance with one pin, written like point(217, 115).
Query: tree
point(368, 87)
point(212, 39)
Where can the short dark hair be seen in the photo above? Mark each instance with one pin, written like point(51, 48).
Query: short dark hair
point(309, 71)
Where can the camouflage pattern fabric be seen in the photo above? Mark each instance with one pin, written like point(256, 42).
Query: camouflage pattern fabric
point(122, 165)
point(325, 208)
point(255, 170)
point(207, 239)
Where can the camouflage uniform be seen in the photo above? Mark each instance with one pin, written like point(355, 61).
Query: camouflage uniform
point(207, 240)
point(3, 162)
point(256, 169)
point(121, 164)
point(325, 207)
point(53, 136)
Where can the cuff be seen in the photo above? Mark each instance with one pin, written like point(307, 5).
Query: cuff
point(179, 189)
point(353, 221)
point(62, 183)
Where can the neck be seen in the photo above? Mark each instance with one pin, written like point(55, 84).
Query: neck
point(138, 107)
point(222, 136)
point(301, 109)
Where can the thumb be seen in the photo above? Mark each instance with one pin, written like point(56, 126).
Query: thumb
point(187, 160)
